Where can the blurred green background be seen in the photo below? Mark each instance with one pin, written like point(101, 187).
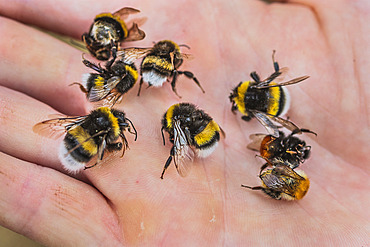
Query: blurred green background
point(9, 238)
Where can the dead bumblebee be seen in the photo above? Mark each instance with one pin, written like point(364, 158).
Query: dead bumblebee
point(110, 83)
point(288, 148)
point(108, 30)
point(160, 63)
point(192, 132)
point(266, 100)
point(282, 182)
point(88, 136)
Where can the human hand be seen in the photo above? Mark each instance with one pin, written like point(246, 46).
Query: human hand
point(124, 202)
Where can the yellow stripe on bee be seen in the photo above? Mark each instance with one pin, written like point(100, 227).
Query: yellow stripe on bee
point(99, 82)
point(133, 72)
point(115, 17)
point(159, 62)
point(81, 136)
point(207, 134)
point(274, 100)
point(169, 115)
point(239, 99)
point(112, 119)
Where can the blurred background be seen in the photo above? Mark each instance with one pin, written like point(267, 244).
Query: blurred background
point(9, 238)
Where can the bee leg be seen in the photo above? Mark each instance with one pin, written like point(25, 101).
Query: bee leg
point(234, 108)
point(141, 83)
point(253, 188)
point(125, 143)
point(276, 64)
point(173, 82)
point(114, 55)
point(114, 146)
point(263, 167)
point(164, 142)
point(246, 118)
point(299, 131)
point(255, 77)
point(133, 127)
point(168, 162)
point(82, 88)
point(93, 66)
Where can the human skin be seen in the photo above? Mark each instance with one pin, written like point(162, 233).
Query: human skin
point(123, 201)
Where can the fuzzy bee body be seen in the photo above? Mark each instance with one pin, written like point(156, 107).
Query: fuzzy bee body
point(110, 83)
point(108, 30)
point(282, 182)
point(192, 132)
point(265, 100)
point(89, 136)
point(287, 148)
point(160, 64)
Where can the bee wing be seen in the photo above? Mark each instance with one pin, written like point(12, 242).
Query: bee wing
point(276, 76)
point(183, 153)
point(56, 127)
point(129, 55)
point(187, 56)
point(285, 123)
point(257, 139)
point(279, 179)
point(272, 129)
point(135, 33)
point(293, 81)
point(98, 93)
point(125, 12)
point(264, 119)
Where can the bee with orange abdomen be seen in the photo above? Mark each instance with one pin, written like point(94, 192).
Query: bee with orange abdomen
point(288, 148)
point(282, 182)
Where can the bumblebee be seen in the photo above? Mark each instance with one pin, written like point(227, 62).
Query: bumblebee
point(266, 100)
point(192, 132)
point(288, 148)
point(108, 30)
point(282, 182)
point(110, 83)
point(160, 63)
point(88, 136)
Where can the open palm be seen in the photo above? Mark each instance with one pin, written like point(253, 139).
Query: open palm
point(123, 201)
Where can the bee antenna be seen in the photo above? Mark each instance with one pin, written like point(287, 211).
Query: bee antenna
point(184, 45)
point(132, 127)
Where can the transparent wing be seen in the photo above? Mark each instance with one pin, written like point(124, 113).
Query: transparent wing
point(98, 93)
point(264, 119)
point(286, 124)
point(280, 179)
point(257, 139)
point(125, 12)
point(183, 153)
point(135, 33)
point(187, 56)
point(56, 127)
point(129, 55)
point(293, 81)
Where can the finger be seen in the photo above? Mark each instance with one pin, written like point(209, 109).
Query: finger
point(40, 66)
point(70, 18)
point(52, 208)
point(18, 114)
